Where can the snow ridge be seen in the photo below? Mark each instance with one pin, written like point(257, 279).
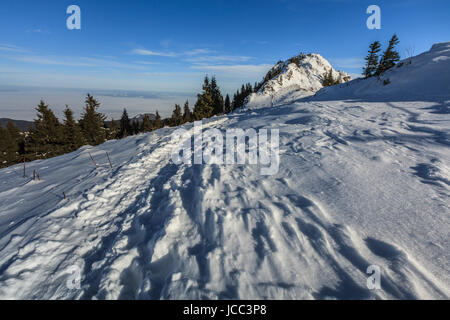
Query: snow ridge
point(425, 76)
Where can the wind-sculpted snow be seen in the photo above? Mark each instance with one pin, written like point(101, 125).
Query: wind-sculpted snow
point(360, 183)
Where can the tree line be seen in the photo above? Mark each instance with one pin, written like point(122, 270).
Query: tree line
point(51, 137)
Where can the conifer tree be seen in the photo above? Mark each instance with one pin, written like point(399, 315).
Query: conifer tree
point(187, 116)
point(125, 127)
point(10, 137)
point(92, 122)
point(3, 140)
point(13, 130)
point(241, 95)
point(227, 104)
point(218, 104)
point(112, 134)
point(372, 59)
point(158, 122)
point(328, 79)
point(234, 102)
point(204, 107)
point(390, 56)
point(18, 137)
point(46, 137)
point(73, 137)
point(135, 127)
point(146, 124)
point(177, 117)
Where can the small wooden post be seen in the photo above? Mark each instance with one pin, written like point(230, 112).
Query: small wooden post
point(64, 194)
point(36, 175)
point(92, 159)
point(109, 160)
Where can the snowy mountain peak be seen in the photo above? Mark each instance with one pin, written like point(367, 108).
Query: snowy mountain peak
point(302, 74)
point(140, 117)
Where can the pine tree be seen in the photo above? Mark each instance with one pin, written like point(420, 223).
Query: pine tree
point(13, 130)
point(18, 137)
point(372, 59)
point(390, 56)
point(241, 95)
point(227, 104)
point(248, 89)
point(204, 107)
point(3, 140)
point(46, 138)
point(158, 122)
point(10, 137)
point(125, 127)
point(112, 133)
point(218, 105)
point(177, 117)
point(135, 127)
point(234, 102)
point(146, 124)
point(187, 116)
point(328, 79)
point(92, 122)
point(7, 149)
point(73, 137)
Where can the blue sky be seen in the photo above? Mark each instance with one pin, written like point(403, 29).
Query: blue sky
point(170, 45)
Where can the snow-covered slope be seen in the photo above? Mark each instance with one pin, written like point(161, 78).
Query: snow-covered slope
point(361, 183)
point(421, 77)
point(302, 74)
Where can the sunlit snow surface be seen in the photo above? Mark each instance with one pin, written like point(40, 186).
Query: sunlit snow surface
point(362, 181)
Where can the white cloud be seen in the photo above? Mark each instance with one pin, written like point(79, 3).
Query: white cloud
point(200, 55)
point(145, 52)
point(195, 52)
point(11, 48)
point(240, 69)
point(74, 61)
point(219, 58)
point(146, 62)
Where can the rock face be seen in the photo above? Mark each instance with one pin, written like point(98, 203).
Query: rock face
point(303, 73)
